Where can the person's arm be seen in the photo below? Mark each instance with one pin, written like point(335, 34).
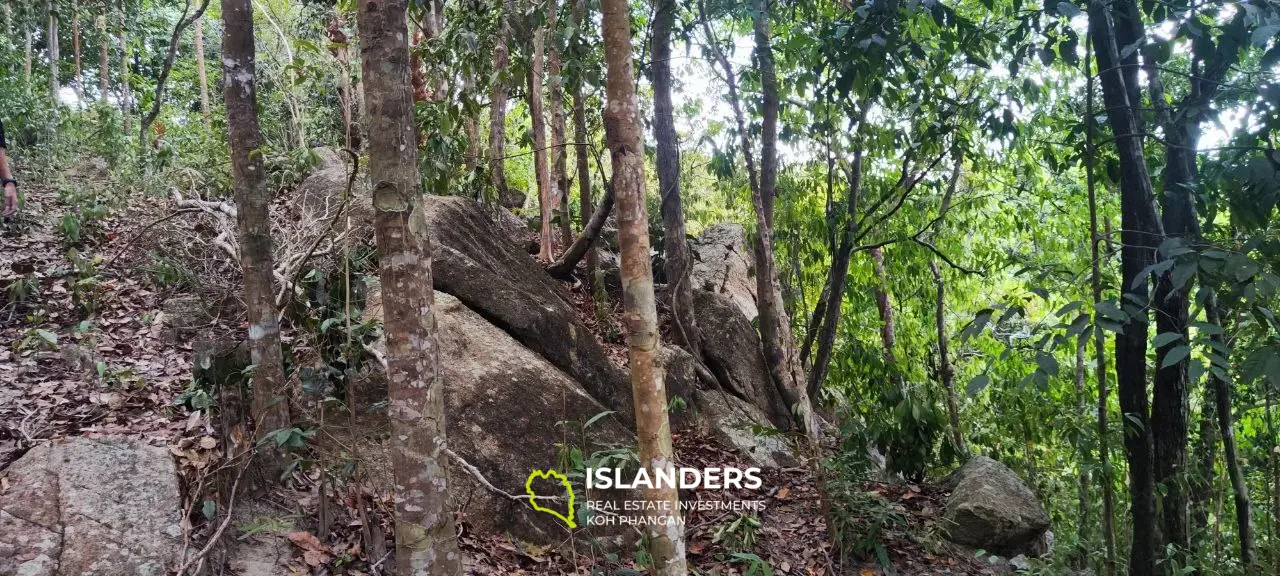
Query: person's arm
point(5, 174)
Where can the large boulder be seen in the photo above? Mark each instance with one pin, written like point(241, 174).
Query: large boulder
point(81, 507)
point(481, 267)
point(320, 194)
point(736, 422)
point(990, 508)
point(723, 263)
point(511, 412)
point(731, 348)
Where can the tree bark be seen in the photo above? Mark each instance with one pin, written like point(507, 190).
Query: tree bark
point(888, 332)
point(665, 530)
point(184, 21)
point(540, 148)
point(498, 113)
point(555, 84)
point(270, 408)
point(26, 62)
point(775, 327)
point(204, 77)
point(54, 56)
point(426, 542)
point(1139, 237)
point(1230, 452)
point(580, 155)
point(675, 247)
point(104, 59)
point(75, 45)
point(1082, 477)
point(1201, 476)
point(946, 373)
point(827, 311)
point(126, 85)
point(1099, 336)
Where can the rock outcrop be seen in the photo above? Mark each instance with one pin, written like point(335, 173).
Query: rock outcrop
point(990, 508)
point(320, 194)
point(82, 507)
point(723, 263)
point(481, 267)
point(731, 347)
point(732, 420)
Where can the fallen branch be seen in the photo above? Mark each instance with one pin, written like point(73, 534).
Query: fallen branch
point(564, 266)
point(479, 476)
point(287, 287)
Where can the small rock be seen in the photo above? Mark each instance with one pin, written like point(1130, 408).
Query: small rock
point(990, 508)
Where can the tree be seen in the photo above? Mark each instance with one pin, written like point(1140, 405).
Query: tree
point(665, 530)
point(675, 248)
point(104, 58)
point(204, 77)
point(184, 21)
point(498, 112)
point(534, 85)
point(270, 409)
point(54, 58)
point(1138, 224)
point(426, 542)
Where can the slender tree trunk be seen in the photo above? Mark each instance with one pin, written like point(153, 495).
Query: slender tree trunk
point(426, 543)
point(54, 56)
point(1082, 477)
point(270, 408)
point(498, 113)
point(653, 428)
point(75, 45)
point(559, 177)
point(184, 22)
point(1221, 397)
point(946, 373)
point(775, 326)
point(827, 311)
point(1139, 230)
point(675, 248)
point(540, 148)
point(585, 201)
point(26, 62)
point(342, 54)
point(1099, 336)
point(1275, 478)
point(104, 58)
point(1202, 476)
point(8, 18)
point(888, 332)
point(204, 77)
point(126, 84)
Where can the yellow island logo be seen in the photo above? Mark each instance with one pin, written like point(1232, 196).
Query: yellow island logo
point(533, 498)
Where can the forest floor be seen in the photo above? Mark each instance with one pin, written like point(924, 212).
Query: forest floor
point(120, 371)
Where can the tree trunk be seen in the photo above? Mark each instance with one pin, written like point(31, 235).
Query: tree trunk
point(888, 332)
point(1099, 336)
point(1139, 224)
point(204, 77)
point(827, 311)
point(54, 56)
point(104, 59)
point(675, 247)
point(498, 113)
point(559, 178)
point(540, 148)
point(665, 530)
point(775, 327)
point(583, 246)
point(1082, 477)
point(126, 85)
point(184, 21)
point(270, 408)
point(583, 162)
point(426, 542)
point(26, 62)
point(8, 19)
point(946, 373)
point(1230, 453)
point(1200, 479)
point(75, 45)
point(341, 53)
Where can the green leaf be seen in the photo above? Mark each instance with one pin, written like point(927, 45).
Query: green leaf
point(978, 384)
point(1166, 338)
point(1069, 308)
point(1047, 363)
point(47, 336)
point(597, 418)
point(1174, 356)
point(1207, 328)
